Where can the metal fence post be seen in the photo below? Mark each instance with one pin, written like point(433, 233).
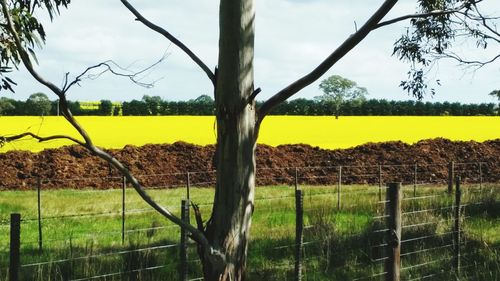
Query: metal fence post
point(339, 186)
point(183, 270)
point(124, 187)
point(457, 229)
point(299, 232)
point(39, 203)
point(393, 211)
point(15, 245)
point(451, 176)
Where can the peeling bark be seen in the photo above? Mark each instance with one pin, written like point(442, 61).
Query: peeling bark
point(229, 227)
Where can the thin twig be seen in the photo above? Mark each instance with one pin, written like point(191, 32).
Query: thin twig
point(109, 66)
point(171, 38)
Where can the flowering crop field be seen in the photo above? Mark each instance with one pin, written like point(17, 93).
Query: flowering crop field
point(323, 131)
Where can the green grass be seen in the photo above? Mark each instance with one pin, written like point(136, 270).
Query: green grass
point(339, 243)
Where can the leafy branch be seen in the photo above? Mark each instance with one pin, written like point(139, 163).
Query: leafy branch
point(432, 34)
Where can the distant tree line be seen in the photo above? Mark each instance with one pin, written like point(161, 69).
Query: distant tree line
point(38, 104)
point(382, 107)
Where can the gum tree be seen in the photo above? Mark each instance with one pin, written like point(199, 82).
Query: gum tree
point(38, 104)
point(223, 240)
point(337, 90)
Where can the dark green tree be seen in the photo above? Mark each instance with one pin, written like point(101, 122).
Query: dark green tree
point(38, 104)
point(487, 109)
point(205, 99)
point(105, 108)
point(135, 108)
point(74, 107)
point(202, 105)
point(153, 104)
point(496, 94)
point(6, 106)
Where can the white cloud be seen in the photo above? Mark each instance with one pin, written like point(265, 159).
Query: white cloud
point(292, 37)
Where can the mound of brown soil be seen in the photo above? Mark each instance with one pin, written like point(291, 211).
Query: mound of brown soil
point(166, 165)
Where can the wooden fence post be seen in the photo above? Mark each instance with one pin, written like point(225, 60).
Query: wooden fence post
point(188, 184)
point(296, 179)
point(415, 175)
point(393, 212)
point(339, 186)
point(15, 245)
point(183, 270)
point(480, 176)
point(299, 232)
point(451, 176)
point(39, 203)
point(457, 229)
point(124, 187)
point(379, 182)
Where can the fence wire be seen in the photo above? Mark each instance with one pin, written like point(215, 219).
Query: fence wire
point(345, 233)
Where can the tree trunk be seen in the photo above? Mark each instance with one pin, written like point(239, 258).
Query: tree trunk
point(229, 227)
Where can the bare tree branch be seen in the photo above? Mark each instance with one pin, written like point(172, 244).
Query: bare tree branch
point(7, 139)
point(197, 235)
point(109, 66)
point(495, 35)
point(321, 69)
point(484, 22)
point(172, 39)
point(476, 63)
point(425, 15)
point(414, 16)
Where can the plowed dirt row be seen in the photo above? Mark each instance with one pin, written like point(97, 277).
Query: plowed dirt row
point(166, 165)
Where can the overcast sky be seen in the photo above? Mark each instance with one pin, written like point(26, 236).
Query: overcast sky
point(292, 37)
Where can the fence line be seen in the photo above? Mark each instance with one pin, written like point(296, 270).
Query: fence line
point(415, 172)
point(40, 182)
point(100, 255)
point(393, 234)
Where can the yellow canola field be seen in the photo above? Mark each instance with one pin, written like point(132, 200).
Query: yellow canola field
point(322, 131)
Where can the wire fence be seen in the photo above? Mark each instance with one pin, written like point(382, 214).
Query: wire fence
point(340, 231)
